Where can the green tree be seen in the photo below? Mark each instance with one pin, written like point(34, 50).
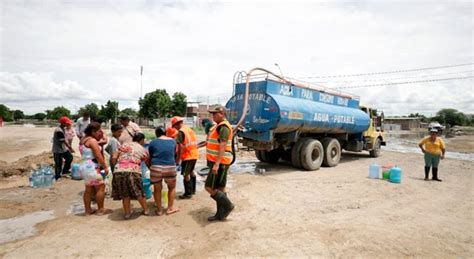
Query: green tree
point(18, 115)
point(110, 110)
point(57, 113)
point(155, 104)
point(39, 116)
point(130, 112)
point(91, 108)
point(178, 104)
point(417, 115)
point(5, 113)
point(450, 117)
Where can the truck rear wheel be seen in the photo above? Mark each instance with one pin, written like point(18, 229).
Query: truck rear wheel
point(258, 154)
point(296, 153)
point(332, 152)
point(271, 156)
point(312, 154)
point(376, 151)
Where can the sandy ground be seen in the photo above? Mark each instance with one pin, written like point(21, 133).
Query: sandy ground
point(332, 212)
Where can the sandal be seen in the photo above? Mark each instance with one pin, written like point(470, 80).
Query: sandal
point(91, 213)
point(158, 212)
point(145, 213)
point(127, 216)
point(171, 211)
point(104, 212)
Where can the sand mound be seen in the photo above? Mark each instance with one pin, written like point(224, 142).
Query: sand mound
point(25, 165)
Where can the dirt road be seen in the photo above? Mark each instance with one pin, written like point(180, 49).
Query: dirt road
point(332, 212)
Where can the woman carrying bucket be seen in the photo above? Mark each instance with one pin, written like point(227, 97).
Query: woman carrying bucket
point(163, 167)
point(127, 179)
point(434, 149)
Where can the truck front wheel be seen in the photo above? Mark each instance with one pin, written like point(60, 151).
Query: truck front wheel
point(312, 154)
point(375, 152)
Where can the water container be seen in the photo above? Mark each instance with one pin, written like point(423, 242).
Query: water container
point(374, 171)
point(48, 177)
point(37, 178)
point(164, 197)
point(146, 188)
point(75, 172)
point(143, 168)
point(396, 175)
point(386, 171)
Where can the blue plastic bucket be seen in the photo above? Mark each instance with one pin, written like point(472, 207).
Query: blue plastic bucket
point(396, 175)
point(146, 188)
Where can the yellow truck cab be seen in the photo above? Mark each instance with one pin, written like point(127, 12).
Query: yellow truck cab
point(374, 136)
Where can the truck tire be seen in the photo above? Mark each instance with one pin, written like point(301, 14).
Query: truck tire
point(286, 155)
point(376, 151)
point(296, 153)
point(332, 152)
point(312, 153)
point(271, 156)
point(258, 154)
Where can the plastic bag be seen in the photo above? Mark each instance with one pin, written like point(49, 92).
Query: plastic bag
point(88, 172)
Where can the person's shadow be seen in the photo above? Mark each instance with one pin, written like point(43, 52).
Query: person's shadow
point(200, 215)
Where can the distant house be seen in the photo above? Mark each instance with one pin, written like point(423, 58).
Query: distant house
point(402, 123)
point(199, 110)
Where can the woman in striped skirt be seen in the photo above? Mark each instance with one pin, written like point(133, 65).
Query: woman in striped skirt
point(163, 167)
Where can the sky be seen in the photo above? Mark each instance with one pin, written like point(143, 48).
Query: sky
point(72, 53)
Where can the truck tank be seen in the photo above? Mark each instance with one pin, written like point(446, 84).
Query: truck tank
point(277, 107)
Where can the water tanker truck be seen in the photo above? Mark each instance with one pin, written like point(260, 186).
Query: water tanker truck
point(308, 125)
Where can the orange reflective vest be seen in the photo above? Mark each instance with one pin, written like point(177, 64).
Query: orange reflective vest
point(189, 150)
point(213, 144)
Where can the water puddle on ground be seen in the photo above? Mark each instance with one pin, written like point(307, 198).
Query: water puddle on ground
point(22, 226)
point(76, 208)
point(411, 146)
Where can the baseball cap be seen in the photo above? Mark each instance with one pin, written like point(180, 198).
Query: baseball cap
point(65, 120)
point(217, 108)
point(434, 130)
point(175, 120)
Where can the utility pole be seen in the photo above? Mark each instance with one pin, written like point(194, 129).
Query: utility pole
point(141, 82)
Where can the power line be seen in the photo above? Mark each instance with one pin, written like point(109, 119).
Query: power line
point(406, 82)
point(390, 72)
point(397, 78)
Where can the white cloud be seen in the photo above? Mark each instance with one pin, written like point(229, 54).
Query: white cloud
point(94, 49)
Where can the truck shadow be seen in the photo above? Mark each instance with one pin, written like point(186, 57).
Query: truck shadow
point(255, 167)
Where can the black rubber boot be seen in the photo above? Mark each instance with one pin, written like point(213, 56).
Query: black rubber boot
point(193, 182)
point(226, 205)
point(435, 174)
point(187, 190)
point(427, 173)
point(218, 210)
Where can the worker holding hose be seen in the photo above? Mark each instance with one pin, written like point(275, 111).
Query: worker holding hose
point(186, 155)
point(219, 157)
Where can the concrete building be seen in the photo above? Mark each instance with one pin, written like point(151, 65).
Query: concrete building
point(402, 123)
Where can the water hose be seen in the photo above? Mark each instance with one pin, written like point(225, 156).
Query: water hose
point(246, 97)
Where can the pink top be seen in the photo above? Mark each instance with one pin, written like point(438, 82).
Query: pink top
point(130, 157)
point(70, 134)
